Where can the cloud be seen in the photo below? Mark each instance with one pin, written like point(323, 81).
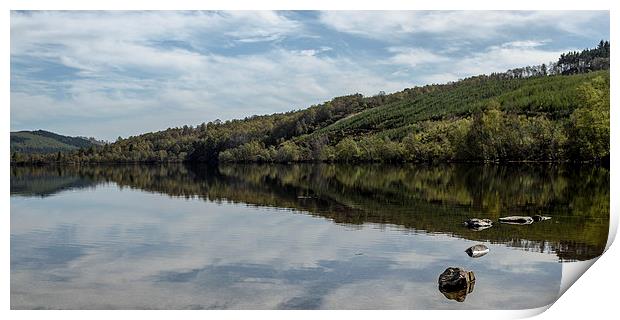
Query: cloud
point(414, 56)
point(392, 25)
point(440, 78)
point(524, 44)
point(31, 29)
point(312, 52)
point(496, 58)
point(256, 26)
point(506, 56)
point(112, 45)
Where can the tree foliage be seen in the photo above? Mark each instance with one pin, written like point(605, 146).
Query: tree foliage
point(588, 130)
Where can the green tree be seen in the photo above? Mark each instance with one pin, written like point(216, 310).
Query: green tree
point(485, 139)
point(588, 130)
point(287, 152)
point(347, 150)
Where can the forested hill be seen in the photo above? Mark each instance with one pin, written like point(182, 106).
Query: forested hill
point(552, 112)
point(41, 141)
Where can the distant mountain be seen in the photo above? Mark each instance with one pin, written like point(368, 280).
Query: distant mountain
point(41, 141)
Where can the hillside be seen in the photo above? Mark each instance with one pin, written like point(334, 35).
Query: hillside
point(41, 141)
point(558, 112)
point(555, 96)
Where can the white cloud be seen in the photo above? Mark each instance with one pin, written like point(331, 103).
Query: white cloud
point(390, 25)
point(30, 30)
point(524, 44)
point(312, 52)
point(414, 56)
point(109, 42)
point(498, 58)
point(440, 78)
point(255, 26)
point(504, 57)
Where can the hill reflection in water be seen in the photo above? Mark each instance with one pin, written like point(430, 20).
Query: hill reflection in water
point(416, 198)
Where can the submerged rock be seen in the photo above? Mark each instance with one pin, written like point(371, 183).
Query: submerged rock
point(477, 251)
point(456, 283)
point(478, 224)
point(538, 218)
point(459, 295)
point(517, 220)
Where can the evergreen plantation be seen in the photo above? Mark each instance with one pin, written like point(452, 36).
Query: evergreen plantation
point(556, 112)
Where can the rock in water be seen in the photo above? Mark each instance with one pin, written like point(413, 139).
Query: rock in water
point(538, 218)
point(456, 283)
point(477, 251)
point(478, 224)
point(517, 220)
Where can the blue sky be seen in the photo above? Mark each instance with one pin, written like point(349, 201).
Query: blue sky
point(110, 74)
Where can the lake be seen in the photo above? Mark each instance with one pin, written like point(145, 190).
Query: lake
point(304, 236)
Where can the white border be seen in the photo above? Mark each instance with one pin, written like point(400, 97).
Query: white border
point(591, 296)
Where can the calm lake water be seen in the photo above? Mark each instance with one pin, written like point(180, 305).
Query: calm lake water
point(296, 236)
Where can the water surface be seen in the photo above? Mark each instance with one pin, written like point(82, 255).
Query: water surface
point(296, 236)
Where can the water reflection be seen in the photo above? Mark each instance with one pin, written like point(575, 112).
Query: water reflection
point(432, 199)
point(456, 283)
point(477, 251)
point(264, 237)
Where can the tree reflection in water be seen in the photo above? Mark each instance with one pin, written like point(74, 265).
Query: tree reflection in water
point(419, 198)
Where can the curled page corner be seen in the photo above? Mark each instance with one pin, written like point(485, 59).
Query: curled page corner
point(571, 271)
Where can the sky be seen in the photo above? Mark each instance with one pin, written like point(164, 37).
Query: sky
point(122, 73)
